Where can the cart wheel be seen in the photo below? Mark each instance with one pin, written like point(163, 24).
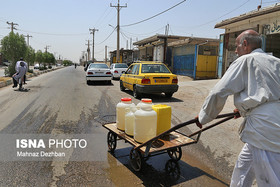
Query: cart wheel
point(175, 153)
point(135, 160)
point(111, 141)
point(172, 169)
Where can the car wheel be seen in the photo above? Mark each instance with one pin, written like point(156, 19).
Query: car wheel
point(109, 82)
point(122, 88)
point(168, 95)
point(136, 93)
point(88, 82)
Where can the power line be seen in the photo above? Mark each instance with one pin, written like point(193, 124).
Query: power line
point(53, 34)
point(107, 37)
point(144, 34)
point(126, 37)
point(154, 15)
point(102, 15)
point(223, 15)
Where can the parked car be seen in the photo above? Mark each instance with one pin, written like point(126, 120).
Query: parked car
point(146, 77)
point(118, 69)
point(36, 66)
point(6, 63)
point(98, 72)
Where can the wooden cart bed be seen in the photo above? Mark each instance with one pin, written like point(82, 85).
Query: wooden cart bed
point(171, 140)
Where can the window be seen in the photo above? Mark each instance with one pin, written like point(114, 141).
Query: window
point(135, 69)
point(101, 66)
point(154, 68)
point(208, 50)
point(129, 70)
point(120, 66)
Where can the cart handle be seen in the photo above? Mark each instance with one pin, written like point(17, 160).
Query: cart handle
point(213, 125)
point(228, 115)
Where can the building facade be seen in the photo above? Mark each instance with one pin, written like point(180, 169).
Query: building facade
point(195, 57)
point(155, 48)
point(266, 21)
point(126, 56)
point(190, 56)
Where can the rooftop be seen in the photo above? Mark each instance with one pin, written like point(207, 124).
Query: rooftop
point(248, 15)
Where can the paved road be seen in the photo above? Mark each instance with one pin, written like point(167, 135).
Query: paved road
point(60, 102)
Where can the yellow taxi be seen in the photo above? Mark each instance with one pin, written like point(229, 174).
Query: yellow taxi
point(146, 77)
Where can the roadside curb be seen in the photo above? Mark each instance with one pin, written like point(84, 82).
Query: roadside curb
point(10, 81)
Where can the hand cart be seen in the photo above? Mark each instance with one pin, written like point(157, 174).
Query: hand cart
point(169, 141)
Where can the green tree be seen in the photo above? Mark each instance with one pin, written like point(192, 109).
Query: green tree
point(39, 57)
point(30, 56)
point(13, 47)
point(49, 58)
point(67, 62)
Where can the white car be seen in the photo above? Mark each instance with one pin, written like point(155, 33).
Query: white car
point(118, 69)
point(98, 72)
point(36, 66)
point(6, 63)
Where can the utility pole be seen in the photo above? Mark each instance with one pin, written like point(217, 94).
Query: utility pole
point(118, 7)
point(83, 58)
point(92, 32)
point(88, 50)
point(166, 29)
point(12, 25)
point(28, 36)
point(106, 54)
point(46, 48)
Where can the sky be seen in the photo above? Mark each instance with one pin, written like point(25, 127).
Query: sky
point(62, 26)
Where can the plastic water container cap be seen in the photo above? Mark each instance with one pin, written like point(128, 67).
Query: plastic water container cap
point(126, 99)
point(146, 100)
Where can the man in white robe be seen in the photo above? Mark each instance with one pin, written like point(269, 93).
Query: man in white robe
point(254, 80)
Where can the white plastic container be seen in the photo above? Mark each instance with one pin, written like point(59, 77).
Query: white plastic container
point(143, 101)
point(145, 126)
point(129, 120)
point(121, 106)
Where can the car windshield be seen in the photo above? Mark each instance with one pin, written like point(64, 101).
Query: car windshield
point(154, 68)
point(100, 66)
point(121, 66)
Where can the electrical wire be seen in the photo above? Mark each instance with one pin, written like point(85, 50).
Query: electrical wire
point(124, 36)
point(102, 15)
point(2, 21)
point(106, 38)
point(223, 15)
point(100, 51)
point(133, 34)
point(52, 34)
point(154, 15)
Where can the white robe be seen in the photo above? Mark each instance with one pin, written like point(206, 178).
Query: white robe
point(254, 80)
